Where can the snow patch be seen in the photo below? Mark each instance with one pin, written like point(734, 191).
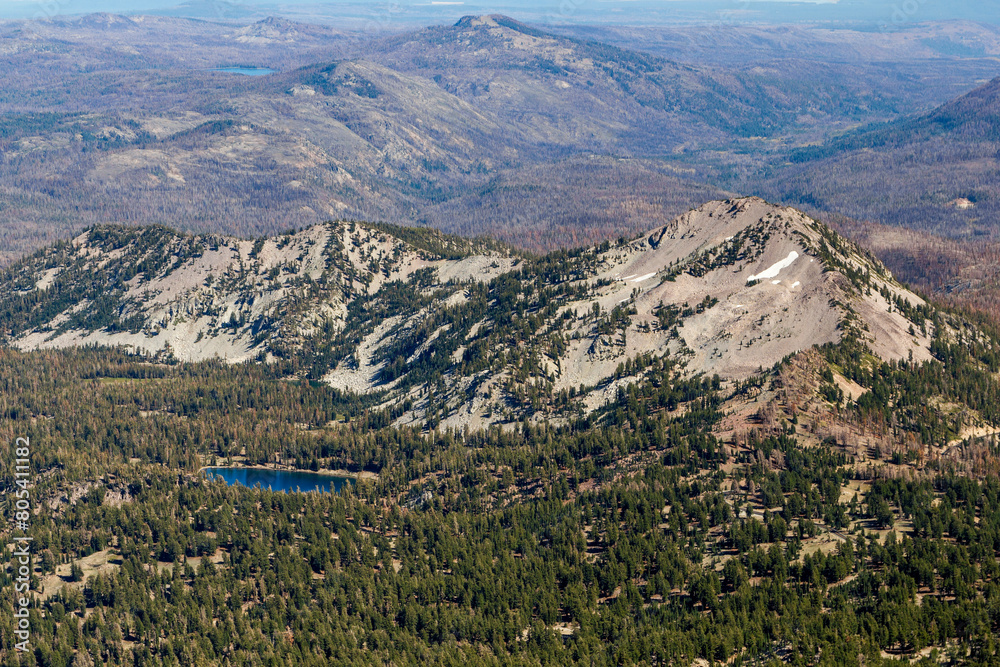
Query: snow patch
point(645, 277)
point(796, 284)
point(776, 268)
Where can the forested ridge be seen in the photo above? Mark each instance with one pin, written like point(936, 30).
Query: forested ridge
point(452, 332)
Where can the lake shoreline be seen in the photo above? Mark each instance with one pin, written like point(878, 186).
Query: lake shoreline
point(325, 472)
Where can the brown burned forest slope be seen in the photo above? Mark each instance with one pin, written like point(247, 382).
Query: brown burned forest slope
point(486, 126)
point(933, 173)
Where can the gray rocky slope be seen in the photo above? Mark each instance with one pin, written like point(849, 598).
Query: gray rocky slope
point(469, 331)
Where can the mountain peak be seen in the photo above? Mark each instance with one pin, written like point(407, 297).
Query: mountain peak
point(473, 20)
point(268, 30)
point(778, 281)
point(205, 296)
point(106, 20)
point(497, 21)
point(277, 22)
point(726, 289)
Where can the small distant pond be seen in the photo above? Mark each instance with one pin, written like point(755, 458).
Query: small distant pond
point(245, 71)
point(288, 481)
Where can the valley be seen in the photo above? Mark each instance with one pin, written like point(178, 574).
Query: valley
point(540, 140)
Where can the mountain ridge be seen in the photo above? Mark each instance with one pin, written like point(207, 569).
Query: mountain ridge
point(489, 128)
point(728, 290)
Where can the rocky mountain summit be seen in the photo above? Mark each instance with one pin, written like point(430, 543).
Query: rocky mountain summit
point(470, 331)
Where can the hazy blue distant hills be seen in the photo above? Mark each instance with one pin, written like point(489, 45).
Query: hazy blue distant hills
point(881, 14)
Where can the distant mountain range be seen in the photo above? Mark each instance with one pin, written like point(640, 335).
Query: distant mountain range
point(489, 126)
point(884, 14)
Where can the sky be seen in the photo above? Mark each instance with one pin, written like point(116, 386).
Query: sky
point(634, 12)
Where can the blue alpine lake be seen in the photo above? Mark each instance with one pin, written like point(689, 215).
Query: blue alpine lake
point(245, 71)
point(288, 481)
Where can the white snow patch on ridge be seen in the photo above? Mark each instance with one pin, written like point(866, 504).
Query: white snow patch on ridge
point(776, 269)
point(645, 277)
